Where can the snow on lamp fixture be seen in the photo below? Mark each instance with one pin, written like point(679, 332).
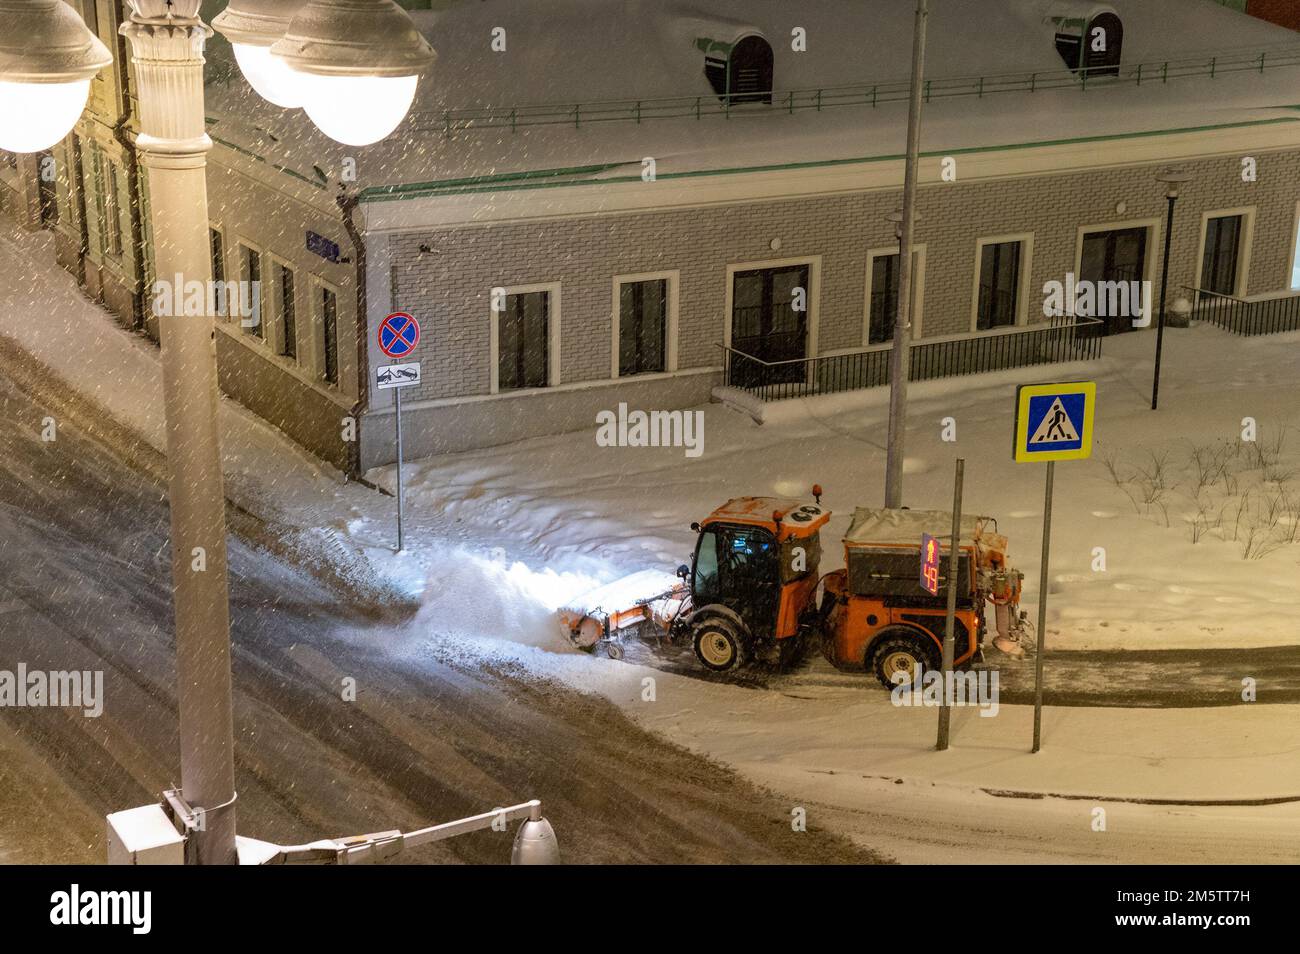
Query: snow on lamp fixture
point(47, 59)
point(359, 62)
point(252, 27)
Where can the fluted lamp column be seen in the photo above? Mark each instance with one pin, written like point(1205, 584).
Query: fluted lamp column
point(167, 41)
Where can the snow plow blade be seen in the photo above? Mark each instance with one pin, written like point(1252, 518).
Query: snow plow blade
point(647, 596)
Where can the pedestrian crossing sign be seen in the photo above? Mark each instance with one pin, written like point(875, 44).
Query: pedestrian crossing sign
point(1054, 421)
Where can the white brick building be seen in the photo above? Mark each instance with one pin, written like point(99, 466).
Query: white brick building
point(636, 216)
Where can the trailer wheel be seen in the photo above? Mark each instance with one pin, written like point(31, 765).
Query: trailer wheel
point(901, 650)
point(614, 650)
point(718, 646)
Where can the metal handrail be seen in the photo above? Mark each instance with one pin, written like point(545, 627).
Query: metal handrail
point(1277, 314)
point(871, 94)
point(929, 359)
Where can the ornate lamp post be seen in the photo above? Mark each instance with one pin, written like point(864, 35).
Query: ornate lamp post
point(355, 65)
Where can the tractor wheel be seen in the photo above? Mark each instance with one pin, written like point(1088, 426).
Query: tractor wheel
point(718, 646)
point(901, 650)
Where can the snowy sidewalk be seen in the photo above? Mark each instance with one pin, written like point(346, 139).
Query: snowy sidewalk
point(46, 315)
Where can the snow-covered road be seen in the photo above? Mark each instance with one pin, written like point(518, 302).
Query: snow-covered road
point(84, 585)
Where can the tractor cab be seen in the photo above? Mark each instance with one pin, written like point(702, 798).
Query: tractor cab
point(754, 573)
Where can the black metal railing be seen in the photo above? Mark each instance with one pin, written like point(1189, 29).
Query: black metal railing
point(868, 368)
point(1267, 316)
point(868, 94)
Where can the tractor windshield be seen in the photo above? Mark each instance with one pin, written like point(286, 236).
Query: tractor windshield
point(739, 567)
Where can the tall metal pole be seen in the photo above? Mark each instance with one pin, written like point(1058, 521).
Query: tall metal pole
point(900, 355)
point(954, 565)
point(173, 144)
point(1042, 607)
point(1164, 287)
point(397, 398)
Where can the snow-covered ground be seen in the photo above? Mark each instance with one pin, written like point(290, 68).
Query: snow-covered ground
point(575, 512)
point(500, 537)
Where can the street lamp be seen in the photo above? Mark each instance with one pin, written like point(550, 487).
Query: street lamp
point(350, 49)
point(1173, 180)
point(358, 63)
point(47, 59)
point(895, 219)
point(253, 27)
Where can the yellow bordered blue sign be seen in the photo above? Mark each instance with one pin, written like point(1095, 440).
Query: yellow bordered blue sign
point(1054, 421)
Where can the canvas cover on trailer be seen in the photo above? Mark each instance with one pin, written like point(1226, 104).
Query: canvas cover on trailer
point(899, 527)
point(883, 550)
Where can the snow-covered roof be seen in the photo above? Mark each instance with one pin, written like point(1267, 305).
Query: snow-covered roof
point(590, 51)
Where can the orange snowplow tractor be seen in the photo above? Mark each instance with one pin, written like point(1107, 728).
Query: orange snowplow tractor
point(784, 519)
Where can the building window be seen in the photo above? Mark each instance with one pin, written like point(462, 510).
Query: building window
point(1221, 262)
point(1295, 256)
point(1103, 46)
point(218, 303)
point(250, 292)
point(642, 326)
point(288, 314)
point(329, 313)
point(884, 298)
point(1095, 45)
point(523, 341)
point(882, 293)
point(1114, 263)
point(112, 211)
point(97, 191)
point(999, 288)
point(741, 72)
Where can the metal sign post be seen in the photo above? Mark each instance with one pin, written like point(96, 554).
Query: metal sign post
point(954, 568)
point(1042, 608)
point(1053, 422)
point(397, 403)
point(399, 333)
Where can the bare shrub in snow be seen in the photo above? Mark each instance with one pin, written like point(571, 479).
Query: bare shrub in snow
point(1237, 491)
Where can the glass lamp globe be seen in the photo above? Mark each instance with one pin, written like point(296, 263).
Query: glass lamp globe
point(252, 26)
point(358, 62)
point(358, 110)
point(47, 59)
point(269, 75)
point(34, 116)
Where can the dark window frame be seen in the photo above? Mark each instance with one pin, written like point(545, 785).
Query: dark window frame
point(644, 358)
point(329, 305)
point(250, 271)
point(991, 307)
point(1214, 253)
point(217, 253)
point(880, 323)
point(288, 291)
point(526, 372)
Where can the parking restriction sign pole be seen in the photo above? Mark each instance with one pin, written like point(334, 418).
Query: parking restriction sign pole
point(1053, 422)
point(399, 333)
point(397, 414)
